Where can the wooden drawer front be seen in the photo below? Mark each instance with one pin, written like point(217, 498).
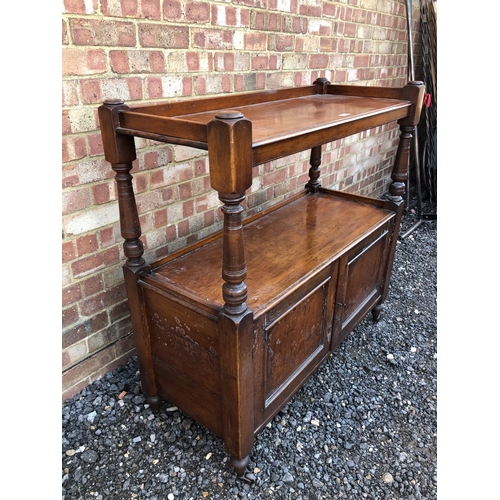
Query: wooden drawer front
point(361, 276)
point(295, 342)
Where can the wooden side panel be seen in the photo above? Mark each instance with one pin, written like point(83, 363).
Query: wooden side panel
point(186, 356)
point(187, 395)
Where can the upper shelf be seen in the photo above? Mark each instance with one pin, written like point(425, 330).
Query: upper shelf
point(287, 118)
point(283, 121)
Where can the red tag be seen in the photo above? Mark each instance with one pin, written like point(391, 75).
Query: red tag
point(427, 100)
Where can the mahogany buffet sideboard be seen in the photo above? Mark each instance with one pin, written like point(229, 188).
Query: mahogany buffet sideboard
point(229, 328)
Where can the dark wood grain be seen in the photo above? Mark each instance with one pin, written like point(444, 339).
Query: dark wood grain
point(229, 328)
point(283, 248)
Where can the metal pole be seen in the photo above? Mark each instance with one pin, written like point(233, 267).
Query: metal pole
point(411, 77)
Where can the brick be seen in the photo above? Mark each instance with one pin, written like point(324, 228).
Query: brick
point(274, 177)
point(68, 251)
point(183, 228)
point(307, 44)
point(69, 93)
point(107, 237)
point(87, 265)
point(121, 312)
point(294, 61)
point(94, 170)
point(92, 285)
point(172, 10)
point(111, 8)
point(81, 119)
point(150, 159)
point(102, 32)
point(157, 179)
point(86, 244)
point(154, 88)
point(102, 339)
point(115, 88)
point(224, 61)
point(71, 294)
point(157, 62)
point(119, 61)
point(255, 41)
point(129, 8)
point(91, 91)
point(73, 335)
point(260, 62)
point(140, 183)
point(80, 6)
point(75, 200)
point(84, 369)
point(75, 353)
point(310, 10)
point(150, 9)
point(160, 218)
point(137, 61)
point(213, 39)
point(281, 43)
point(81, 62)
point(64, 33)
point(111, 256)
point(95, 144)
point(188, 208)
point(148, 201)
point(73, 148)
point(134, 88)
point(90, 220)
point(160, 35)
point(103, 300)
point(69, 316)
point(198, 12)
point(361, 61)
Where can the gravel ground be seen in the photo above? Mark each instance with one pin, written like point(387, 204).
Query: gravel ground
point(364, 426)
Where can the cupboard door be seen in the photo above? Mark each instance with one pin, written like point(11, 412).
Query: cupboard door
point(362, 273)
point(291, 341)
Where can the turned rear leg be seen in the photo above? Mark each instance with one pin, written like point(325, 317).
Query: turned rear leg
point(376, 312)
point(154, 403)
point(242, 470)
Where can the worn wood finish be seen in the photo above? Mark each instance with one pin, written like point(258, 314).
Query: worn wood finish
point(231, 327)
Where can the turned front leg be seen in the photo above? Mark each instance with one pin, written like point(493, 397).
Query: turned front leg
point(230, 158)
point(235, 335)
point(119, 150)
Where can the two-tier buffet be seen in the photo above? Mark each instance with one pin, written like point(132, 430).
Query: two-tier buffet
point(229, 328)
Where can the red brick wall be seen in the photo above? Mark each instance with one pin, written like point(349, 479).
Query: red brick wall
point(141, 50)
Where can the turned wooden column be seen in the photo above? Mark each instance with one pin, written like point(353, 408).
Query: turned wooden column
point(234, 270)
point(230, 158)
point(119, 150)
point(315, 159)
point(413, 91)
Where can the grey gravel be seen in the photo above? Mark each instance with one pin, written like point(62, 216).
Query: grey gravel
point(363, 427)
